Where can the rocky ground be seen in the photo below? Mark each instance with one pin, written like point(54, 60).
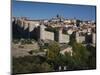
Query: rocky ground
point(23, 50)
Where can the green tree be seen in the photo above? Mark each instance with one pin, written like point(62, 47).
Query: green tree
point(53, 51)
point(45, 67)
point(80, 55)
point(72, 39)
point(92, 58)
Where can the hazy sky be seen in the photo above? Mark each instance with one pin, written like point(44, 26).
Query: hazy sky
point(35, 10)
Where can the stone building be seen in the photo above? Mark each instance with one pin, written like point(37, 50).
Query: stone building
point(33, 28)
point(93, 38)
point(79, 38)
point(87, 38)
point(62, 38)
point(37, 29)
point(47, 35)
point(26, 23)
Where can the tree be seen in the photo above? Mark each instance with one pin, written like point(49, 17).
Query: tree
point(45, 67)
point(72, 39)
point(30, 64)
point(92, 58)
point(53, 51)
point(80, 56)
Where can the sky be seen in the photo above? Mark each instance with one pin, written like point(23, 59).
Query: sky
point(38, 10)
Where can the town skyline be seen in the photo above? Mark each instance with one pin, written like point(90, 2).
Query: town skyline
point(37, 10)
point(50, 37)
